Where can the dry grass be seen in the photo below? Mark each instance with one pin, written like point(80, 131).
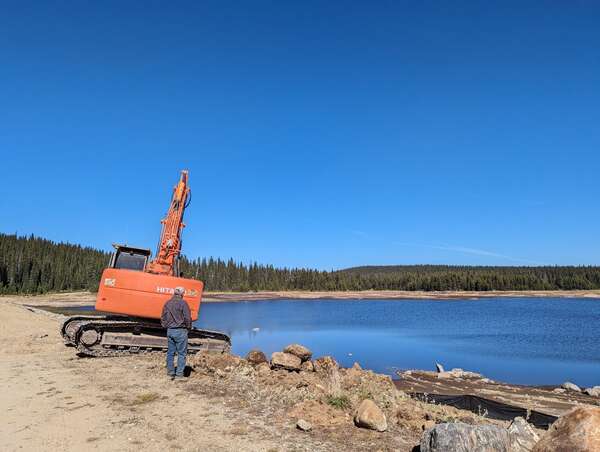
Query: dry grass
point(147, 397)
point(340, 402)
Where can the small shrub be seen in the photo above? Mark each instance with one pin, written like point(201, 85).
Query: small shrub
point(341, 402)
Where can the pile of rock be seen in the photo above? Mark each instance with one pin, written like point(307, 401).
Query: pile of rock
point(294, 357)
point(334, 383)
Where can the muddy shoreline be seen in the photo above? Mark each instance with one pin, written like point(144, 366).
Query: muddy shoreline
point(89, 298)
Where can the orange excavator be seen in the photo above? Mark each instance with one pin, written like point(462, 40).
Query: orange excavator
point(133, 290)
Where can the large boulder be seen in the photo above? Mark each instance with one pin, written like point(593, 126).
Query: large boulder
point(522, 435)
point(255, 357)
point(299, 350)
point(325, 364)
point(594, 392)
point(368, 415)
point(460, 437)
point(570, 386)
point(576, 431)
point(282, 360)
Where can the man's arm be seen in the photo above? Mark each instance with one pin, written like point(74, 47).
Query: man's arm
point(187, 315)
point(163, 316)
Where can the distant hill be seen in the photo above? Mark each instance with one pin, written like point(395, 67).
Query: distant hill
point(477, 278)
point(30, 265)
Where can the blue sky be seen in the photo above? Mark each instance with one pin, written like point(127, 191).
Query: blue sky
point(320, 134)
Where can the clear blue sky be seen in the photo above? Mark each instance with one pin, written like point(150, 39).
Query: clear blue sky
point(318, 134)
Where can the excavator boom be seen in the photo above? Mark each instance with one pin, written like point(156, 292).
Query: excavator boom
point(169, 245)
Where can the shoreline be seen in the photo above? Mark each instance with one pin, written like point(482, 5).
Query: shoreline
point(393, 295)
point(60, 299)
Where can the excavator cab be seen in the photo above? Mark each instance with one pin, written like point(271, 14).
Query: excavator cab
point(129, 258)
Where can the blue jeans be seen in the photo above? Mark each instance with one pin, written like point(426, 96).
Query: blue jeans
point(178, 340)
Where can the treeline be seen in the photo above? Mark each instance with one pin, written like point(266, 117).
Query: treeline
point(31, 265)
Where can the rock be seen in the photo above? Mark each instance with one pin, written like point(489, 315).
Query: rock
point(256, 357)
point(559, 390)
point(576, 431)
point(368, 415)
point(461, 437)
point(303, 425)
point(244, 370)
point(282, 360)
point(325, 364)
point(298, 350)
point(307, 366)
point(522, 435)
point(594, 392)
point(458, 373)
point(570, 386)
point(356, 366)
point(263, 368)
point(439, 367)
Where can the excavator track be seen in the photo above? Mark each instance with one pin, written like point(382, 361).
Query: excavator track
point(101, 337)
point(71, 325)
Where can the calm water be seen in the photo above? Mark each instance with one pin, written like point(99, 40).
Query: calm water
point(518, 340)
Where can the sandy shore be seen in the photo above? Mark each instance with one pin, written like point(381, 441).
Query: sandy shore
point(53, 400)
point(88, 298)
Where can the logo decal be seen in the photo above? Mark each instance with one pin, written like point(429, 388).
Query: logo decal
point(171, 291)
point(110, 282)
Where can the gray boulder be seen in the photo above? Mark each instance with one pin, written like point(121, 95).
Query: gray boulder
point(522, 435)
point(570, 386)
point(299, 350)
point(282, 360)
point(460, 437)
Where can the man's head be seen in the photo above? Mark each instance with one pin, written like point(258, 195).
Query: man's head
point(179, 291)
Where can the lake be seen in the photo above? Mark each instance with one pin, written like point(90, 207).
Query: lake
point(533, 341)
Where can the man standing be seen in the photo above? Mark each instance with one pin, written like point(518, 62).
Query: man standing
point(177, 319)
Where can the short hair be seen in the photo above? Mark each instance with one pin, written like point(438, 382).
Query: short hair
point(179, 290)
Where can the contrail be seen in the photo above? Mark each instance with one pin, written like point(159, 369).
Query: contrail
point(466, 250)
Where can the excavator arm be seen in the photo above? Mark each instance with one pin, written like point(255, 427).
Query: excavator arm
point(169, 245)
